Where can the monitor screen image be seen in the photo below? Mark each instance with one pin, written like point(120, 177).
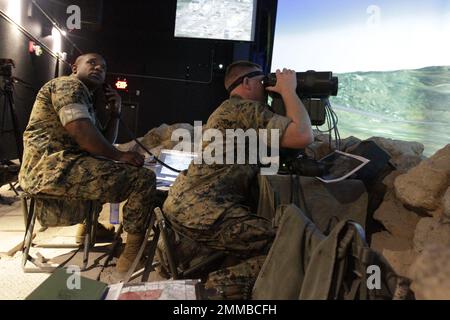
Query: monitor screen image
point(392, 59)
point(216, 19)
point(179, 162)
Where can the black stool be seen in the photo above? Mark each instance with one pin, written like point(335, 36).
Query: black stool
point(29, 214)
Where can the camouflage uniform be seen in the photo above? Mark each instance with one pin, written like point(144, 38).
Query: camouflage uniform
point(236, 282)
point(54, 164)
point(209, 203)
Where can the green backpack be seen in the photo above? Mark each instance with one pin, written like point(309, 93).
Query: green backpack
point(304, 264)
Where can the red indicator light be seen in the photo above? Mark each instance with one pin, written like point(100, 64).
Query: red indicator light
point(121, 84)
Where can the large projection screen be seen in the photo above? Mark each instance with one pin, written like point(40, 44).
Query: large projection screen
point(216, 19)
point(392, 59)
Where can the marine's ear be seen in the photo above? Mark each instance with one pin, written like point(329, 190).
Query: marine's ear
point(246, 83)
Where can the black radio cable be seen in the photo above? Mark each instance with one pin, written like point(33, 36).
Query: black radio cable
point(132, 136)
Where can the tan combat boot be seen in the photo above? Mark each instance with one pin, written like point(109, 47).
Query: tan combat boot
point(105, 233)
point(134, 242)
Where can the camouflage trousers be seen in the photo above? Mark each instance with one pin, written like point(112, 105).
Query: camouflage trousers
point(101, 181)
point(235, 282)
point(244, 236)
point(246, 239)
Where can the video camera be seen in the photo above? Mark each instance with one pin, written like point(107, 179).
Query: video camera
point(6, 66)
point(313, 88)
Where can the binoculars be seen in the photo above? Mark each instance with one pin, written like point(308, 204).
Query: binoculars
point(310, 84)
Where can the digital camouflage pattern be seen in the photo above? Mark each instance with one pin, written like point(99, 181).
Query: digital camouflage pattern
point(209, 203)
point(105, 181)
point(245, 236)
point(53, 164)
point(49, 150)
point(236, 282)
point(206, 195)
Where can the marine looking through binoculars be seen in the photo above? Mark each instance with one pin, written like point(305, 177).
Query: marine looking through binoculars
point(310, 84)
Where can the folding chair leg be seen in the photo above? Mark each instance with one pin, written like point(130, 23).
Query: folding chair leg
point(169, 252)
point(88, 235)
point(29, 234)
point(116, 242)
point(13, 188)
point(149, 225)
point(29, 214)
point(95, 214)
point(151, 255)
point(86, 251)
point(167, 244)
point(25, 211)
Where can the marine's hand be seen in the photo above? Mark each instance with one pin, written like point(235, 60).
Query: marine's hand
point(114, 100)
point(286, 82)
point(133, 158)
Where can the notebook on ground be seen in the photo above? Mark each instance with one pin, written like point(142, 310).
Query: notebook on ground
point(65, 285)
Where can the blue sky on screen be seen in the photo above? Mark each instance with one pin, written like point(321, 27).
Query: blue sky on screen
point(350, 35)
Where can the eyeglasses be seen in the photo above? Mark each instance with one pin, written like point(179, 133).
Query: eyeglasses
point(239, 80)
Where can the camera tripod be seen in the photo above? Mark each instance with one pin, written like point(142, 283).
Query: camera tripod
point(8, 106)
point(9, 174)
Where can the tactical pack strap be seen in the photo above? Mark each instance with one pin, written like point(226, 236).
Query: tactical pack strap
point(276, 200)
point(365, 255)
point(303, 198)
point(294, 191)
point(354, 290)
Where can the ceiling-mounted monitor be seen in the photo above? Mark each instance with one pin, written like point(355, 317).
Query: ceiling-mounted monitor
point(216, 19)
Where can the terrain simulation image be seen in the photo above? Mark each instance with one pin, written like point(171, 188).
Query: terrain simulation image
point(410, 105)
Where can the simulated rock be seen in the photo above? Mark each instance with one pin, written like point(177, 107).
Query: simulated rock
point(430, 231)
point(396, 218)
point(430, 274)
point(424, 186)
